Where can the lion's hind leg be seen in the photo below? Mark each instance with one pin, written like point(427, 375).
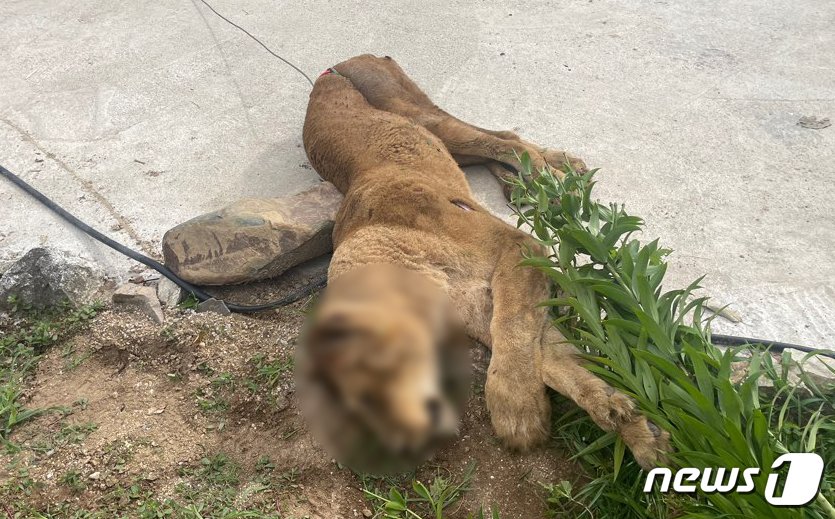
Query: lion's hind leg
point(387, 87)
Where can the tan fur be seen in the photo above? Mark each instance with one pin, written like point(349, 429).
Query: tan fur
point(374, 134)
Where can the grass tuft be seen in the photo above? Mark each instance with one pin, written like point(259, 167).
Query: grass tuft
point(423, 501)
point(28, 333)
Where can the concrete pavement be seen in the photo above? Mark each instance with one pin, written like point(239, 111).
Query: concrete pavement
point(139, 115)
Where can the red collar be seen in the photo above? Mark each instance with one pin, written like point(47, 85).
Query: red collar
point(329, 71)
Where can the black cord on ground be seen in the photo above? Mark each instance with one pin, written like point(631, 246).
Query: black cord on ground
point(259, 42)
point(721, 340)
point(732, 340)
point(145, 260)
point(150, 262)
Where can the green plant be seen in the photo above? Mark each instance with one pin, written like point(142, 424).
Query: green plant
point(71, 360)
point(432, 500)
point(270, 372)
point(264, 465)
point(189, 303)
point(215, 470)
point(209, 399)
point(290, 476)
point(31, 333)
point(19, 481)
point(75, 433)
point(655, 346)
point(211, 490)
point(73, 480)
point(224, 381)
point(212, 405)
point(494, 514)
point(561, 500)
point(168, 333)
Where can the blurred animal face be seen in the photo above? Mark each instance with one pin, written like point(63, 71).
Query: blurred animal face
point(382, 370)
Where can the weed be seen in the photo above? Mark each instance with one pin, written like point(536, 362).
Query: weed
point(189, 303)
point(211, 491)
point(204, 369)
point(73, 480)
point(494, 514)
point(224, 381)
point(215, 470)
point(655, 346)
point(71, 360)
point(19, 482)
point(561, 501)
point(264, 464)
point(270, 372)
point(75, 433)
point(430, 501)
point(290, 476)
point(213, 399)
point(168, 334)
point(212, 405)
point(31, 333)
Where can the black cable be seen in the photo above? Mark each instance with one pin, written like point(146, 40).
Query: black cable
point(233, 24)
point(732, 340)
point(718, 339)
point(145, 260)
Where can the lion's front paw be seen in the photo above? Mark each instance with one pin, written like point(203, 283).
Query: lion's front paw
point(648, 442)
point(520, 417)
point(614, 411)
point(609, 409)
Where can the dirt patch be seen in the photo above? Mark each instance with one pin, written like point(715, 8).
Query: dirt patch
point(203, 409)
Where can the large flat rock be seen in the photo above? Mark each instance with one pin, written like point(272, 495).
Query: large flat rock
point(253, 239)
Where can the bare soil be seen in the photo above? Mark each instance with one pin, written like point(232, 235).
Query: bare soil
point(148, 407)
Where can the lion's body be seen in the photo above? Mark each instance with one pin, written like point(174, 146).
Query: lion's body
point(370, 131)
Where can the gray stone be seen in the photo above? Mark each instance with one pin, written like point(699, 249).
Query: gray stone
point(142, 296)
point(820, 369)
point(253, 239)
point(44, 277)
point(169, 293)
point(213, 305)
point(280, 400)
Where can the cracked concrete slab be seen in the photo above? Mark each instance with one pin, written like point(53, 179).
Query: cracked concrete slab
point(155, 112)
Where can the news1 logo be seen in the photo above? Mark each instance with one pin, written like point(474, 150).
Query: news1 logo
point(801, 483)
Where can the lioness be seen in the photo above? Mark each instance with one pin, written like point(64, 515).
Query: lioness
point(416, 254)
